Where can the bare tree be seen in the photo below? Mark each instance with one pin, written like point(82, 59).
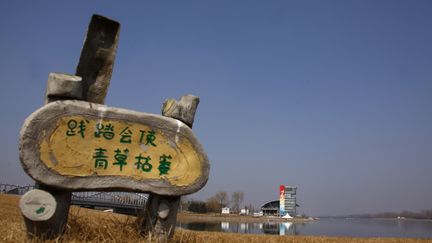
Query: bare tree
point(236, 200)
point(222, 198)
point(213, 205)
point(251, 209)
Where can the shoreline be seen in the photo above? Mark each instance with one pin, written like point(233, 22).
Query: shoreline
point(195, 217)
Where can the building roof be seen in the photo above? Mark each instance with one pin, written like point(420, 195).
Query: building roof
point(273, 205)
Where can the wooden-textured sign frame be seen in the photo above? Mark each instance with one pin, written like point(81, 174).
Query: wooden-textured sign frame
point(41, 129)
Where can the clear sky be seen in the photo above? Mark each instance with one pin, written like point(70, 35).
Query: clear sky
point(334, 97)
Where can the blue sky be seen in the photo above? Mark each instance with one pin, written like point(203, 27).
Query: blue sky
point(333, 97)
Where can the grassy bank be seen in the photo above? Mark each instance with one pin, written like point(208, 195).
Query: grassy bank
point(85, 225)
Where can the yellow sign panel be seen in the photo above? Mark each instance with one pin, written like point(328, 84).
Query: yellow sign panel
point(80, 146)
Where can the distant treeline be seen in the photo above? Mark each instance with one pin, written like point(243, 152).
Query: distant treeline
point(215, 203)
point(424, 214)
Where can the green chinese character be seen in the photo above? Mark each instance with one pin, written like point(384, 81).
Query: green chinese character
point(106, 130)
point(146, 166)
point(126, 135)
point(164, 164)
point(82, 128)
point(40, 210)
point(120, 158)
point(72, 125)
point(150, 138)
point(100, 158)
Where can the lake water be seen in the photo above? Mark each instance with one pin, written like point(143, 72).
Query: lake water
point(324, 227)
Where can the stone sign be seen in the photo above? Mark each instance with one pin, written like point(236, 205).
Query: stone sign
point(78, 145)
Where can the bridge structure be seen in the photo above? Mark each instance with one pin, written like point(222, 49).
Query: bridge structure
point(15, 189)
point(121, 202)
point(130, 203)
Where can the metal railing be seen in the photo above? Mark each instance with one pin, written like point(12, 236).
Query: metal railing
point(90, 198)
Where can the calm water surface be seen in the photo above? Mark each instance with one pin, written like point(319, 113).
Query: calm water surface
point(324, 227)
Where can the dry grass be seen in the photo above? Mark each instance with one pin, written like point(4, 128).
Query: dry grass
point(86, 225)
point(196, 237)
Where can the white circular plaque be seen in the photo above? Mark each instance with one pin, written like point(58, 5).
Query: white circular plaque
point(38, 205)
point(163, 210)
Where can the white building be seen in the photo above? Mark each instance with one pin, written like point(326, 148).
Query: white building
point(244, 211)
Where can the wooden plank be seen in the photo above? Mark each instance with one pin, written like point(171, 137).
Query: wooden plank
point(97, 58)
